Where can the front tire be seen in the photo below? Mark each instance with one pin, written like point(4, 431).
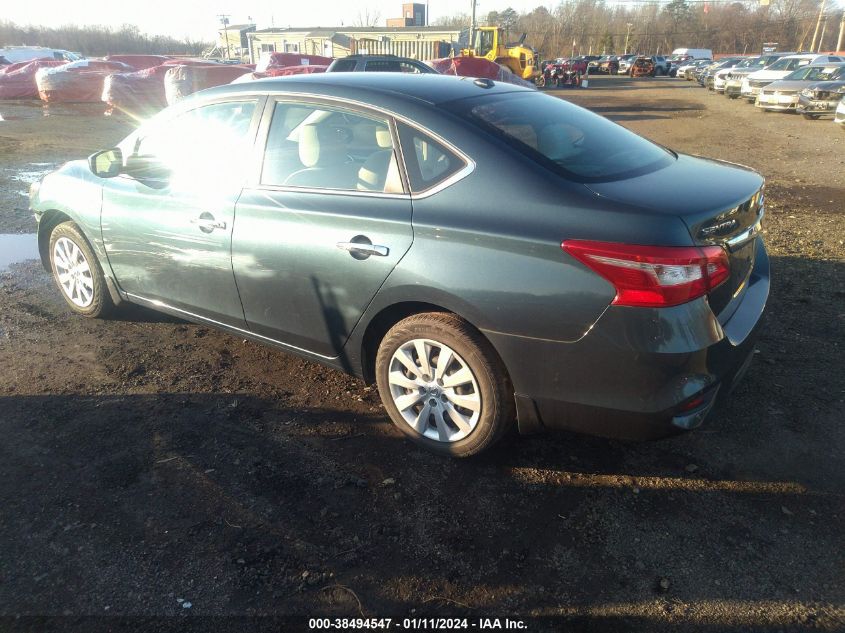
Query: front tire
point(77, 272)
point(443, 385)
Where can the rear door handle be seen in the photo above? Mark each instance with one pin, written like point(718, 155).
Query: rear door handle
point(364, 249)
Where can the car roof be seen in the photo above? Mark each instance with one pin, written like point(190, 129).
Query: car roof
point(429, 88)
point(374, 56)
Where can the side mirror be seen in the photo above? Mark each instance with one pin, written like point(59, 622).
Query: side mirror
point(107, 163)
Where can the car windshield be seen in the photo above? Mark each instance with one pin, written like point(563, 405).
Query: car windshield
point(565, 138)
point(816, 73)
point(748, 63)
point(788, 63)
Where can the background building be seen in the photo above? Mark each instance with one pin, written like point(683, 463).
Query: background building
point(232, 41)
point(413, 14)
point(418, 42)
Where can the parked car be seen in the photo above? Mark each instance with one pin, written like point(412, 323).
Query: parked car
point(691, 53)
point(733, 80)
point(783, 94)
point(821, 98)
point(705, 78)
point(839, 116)
point(548, 277)
point(698, 72)
point(379, 63)
point(607, 64)
point(575, 64)
point(753, 83)
point(17, 54)
point(642, 67)
point(719, 79)
point(662, 65)
point(625, 63)
point(686, 70)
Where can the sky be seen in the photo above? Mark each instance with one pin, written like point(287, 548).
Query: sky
point(197, 19)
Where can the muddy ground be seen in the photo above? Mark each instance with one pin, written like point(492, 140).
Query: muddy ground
point(148, 464)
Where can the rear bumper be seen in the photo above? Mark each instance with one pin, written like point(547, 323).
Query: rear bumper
point(638, 373)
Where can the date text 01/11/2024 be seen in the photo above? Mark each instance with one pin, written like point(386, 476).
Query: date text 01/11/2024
point(416, 624)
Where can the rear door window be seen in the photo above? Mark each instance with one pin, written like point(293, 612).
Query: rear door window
point(324, 147)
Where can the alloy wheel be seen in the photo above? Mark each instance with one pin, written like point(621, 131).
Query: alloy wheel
point(73, 272)
point(434, 390)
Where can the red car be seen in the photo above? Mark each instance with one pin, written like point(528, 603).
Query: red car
point(578, 65)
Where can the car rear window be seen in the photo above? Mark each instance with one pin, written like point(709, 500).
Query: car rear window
point(563, 137)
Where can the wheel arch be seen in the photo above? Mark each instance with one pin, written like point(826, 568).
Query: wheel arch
point(390, 315)
point(50, 219)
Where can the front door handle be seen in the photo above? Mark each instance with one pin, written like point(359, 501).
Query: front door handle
point(365, 249)
point(207, 223)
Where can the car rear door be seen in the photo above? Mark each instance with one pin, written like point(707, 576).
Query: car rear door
point(325, 223)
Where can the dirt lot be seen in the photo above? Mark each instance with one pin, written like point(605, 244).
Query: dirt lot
point(153, 467)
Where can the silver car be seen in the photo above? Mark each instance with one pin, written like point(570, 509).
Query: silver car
point(783, 94)
point(820, 98)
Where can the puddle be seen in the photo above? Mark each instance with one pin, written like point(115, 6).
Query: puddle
point(28, 174)
point(15, 249)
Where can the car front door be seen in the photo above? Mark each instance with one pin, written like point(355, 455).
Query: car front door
point(323, 226)
point(167, 223)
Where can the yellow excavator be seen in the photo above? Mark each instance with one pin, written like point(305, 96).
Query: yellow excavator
point(489, 42)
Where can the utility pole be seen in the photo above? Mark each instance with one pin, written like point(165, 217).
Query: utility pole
point(818, 24)
point(472, 27)
point(627, 35)
point(224, 20)
point(821, 38)
point(841, 33)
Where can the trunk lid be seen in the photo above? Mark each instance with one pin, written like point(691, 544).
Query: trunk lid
point(720, 203)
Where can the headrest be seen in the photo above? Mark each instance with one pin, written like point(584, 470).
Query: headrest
point(320, 145)
point(383, 138)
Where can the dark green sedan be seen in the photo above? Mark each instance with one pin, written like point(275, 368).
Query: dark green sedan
point(488, 255)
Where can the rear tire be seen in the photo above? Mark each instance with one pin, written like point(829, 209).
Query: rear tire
point(77, 272)
point(459, 408)
point(811, 117)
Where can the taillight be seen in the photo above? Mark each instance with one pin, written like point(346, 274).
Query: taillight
point(653, 276)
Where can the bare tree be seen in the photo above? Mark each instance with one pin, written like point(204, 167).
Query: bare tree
point(97, 39)
point(368, 18)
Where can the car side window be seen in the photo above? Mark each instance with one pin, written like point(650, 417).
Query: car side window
point(428, 162)
point(407, 67)
point(209, 143)
point(322, 147)
point(344, 65)
point(383, 66)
